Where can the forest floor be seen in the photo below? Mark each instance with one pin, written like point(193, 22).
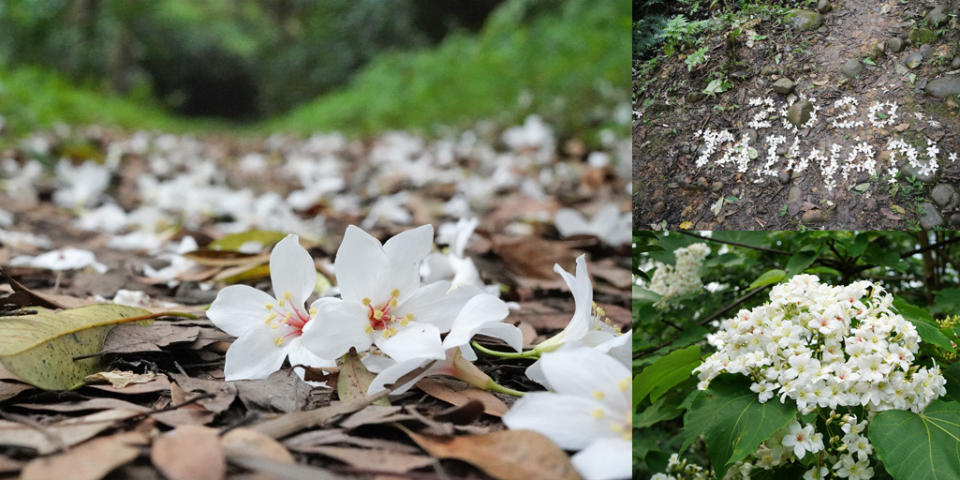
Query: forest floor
point(147, 206)
point(899, 62)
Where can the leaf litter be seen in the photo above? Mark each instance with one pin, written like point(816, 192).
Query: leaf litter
point(156, 403)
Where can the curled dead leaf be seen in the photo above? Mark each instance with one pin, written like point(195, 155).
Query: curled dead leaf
point(505, 455)
point(190, 452)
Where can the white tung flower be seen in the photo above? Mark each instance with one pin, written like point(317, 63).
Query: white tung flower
point(383, 302)
point(269, 329)
point(608, 224)
point(588, 410)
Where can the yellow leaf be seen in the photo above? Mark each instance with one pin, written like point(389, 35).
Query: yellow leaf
point(685, 225)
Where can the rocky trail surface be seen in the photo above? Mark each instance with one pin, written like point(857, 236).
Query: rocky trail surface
point(846, 115)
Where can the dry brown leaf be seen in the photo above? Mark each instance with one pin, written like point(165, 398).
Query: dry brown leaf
point(62, 434)
point(375, 460)
point(223, 393)
point(120, 379)
point(534, 257)
point(244, 441)
point(504, 455)
point(608, 270)
point(190, 452)
point(158, 384)
point(461, 414)
point(190, 414)
point(305, 442)
point(92, 460)
point(354, 379)
point(99, 403)
point(442, 390)
point(282, 391)
point(147, 338)
point(374, 414)
point(223, 258)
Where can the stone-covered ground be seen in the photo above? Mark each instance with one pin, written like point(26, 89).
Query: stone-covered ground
point(905, 53)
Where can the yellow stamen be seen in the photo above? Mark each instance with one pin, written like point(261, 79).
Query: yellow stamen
point(624, 384)
point(405, 321)
point(395, 293)
point(287, 296)
point(365, 301)
point(598, 413)
point(408, 317)
point(393, 302)
point(617, 428)
point(377, 314)
point(269, 306)
point(280, 303)
point(278, 341)
point(269, 318)
point(369, 329)
point(598, 395)
point(313, 311)
point(626, 436)
point(274, 326)
point(389, 332)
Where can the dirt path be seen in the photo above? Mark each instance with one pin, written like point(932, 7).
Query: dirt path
point(671, 189)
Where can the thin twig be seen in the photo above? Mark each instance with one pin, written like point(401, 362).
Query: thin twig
point(735, 244)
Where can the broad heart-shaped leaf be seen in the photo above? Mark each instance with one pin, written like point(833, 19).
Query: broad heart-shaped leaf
point(733, 421)
point(768, 277)
point(927, 328)
point(952, 374)
point(801, 260)
point(665, 373)
point(922, 446)
point(40, 348)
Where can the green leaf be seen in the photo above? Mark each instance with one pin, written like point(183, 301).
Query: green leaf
point(768, 277)
point(733, 422)
point(732, 199)
point(949, 298)
point(859, 245)
point(821, 270)
point(642, 295)
point(927, 328)
point(656, 413)
point(234, 241)
point(40, 348)
point(952, 374)
point(869, 61)
point(665, 373)
point(922, 446)
point(800, 261)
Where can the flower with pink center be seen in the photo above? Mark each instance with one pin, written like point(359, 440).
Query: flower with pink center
point(269, 328)
point(382, 302)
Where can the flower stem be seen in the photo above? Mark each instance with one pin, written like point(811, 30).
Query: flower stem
point(496, 387)
point(496, 353)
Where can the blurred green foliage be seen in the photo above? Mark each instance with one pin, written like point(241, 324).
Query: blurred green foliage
point(357, 67)
point(567, 64)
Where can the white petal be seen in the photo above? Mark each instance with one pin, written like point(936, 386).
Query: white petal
point(377, 363)
point(619, 347)
point(253, 356)
point(535, 372)
point(571, 222)
point(436, 267)
point(299, 354)
point(337, 326)
point(391, 374)
point(292, 270)
point(239, 308)
point(582, 291)
point(565, 419)
point(416, 340)
point(584, 372)
point(506, 332)
point(605, 459)
point(436, 303)
point(410, 245)
point(405, 251)
point(358, 265)
point(479, 311)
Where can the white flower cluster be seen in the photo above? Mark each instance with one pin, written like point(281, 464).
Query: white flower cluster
point(848, 455)
point(843, 115)
point(891, 114)
point(679, 469)
point(669, 281)
point(825, 346)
